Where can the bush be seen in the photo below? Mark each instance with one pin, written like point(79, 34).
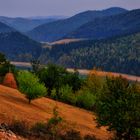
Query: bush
point(56, 119)
point(5, 65)
point(20, 128)
point(29, 84)
point(9, 80)
point(72, 135)
point(66, 95)
point(39, 128)
point(53, 94)
point(85, 99)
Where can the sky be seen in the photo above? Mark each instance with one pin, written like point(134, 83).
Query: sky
point(28, 8)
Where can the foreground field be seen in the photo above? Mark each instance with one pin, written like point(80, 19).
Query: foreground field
point(13, 105)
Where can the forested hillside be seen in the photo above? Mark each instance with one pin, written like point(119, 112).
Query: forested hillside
point(4, 28)
point(122, 24)
point(17, 46)
point(24, 24)
point(117, 54)
point(56, 30)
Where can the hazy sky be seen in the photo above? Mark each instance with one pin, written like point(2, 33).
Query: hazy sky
point(28, 8)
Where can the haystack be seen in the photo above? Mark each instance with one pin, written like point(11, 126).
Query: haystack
point(9, 80)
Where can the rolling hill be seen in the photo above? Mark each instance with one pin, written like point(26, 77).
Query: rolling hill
point(17, 46)
point(121, 54)
point(56, 30)
point(25, 24)
point(13, 105)
point(4, 28)
point(117, 25)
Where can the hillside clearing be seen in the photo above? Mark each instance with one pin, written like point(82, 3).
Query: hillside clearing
point(13, 105)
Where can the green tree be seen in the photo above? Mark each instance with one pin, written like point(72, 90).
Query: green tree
point(5, 65)
point(85, 99)
point(55, 77)
point(52, 76)
point(118, 107)
point(30, 85)
point(94, 82)
point(35, 65)
point(73, 80)
point(66, 95)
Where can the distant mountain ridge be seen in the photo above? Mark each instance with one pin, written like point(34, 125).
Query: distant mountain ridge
point(117, 25)
point(58, 29)
point(25, 24)
point(17, 46)
point(4, 28)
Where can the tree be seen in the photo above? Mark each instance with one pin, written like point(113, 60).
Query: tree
point(35, 65)
point(118, 107)
point(94, 81)
point(55, 77)
point(73, 80)
point(5, 65)
point(9, 80)
point(29, 84)
point(52, 76)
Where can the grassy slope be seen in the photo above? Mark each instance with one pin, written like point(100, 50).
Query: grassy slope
point(13, 105)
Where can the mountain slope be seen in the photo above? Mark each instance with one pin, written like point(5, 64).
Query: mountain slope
point(116, 25)
point(4, 28)
point(25, 24)
point(14, 105)
point(17, 46)
point(120, 55)
point(56, 30)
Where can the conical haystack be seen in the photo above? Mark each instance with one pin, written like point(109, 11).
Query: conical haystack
point(10, 81)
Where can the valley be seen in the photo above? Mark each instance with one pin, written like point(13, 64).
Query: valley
point(69, 77)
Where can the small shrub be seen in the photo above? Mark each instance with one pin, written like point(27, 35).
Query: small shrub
point(9, 80)
point(39, 128)
point(53, 94)
point(56, 119)
point(53, 124)
point(85, 99)
point(66, 95)
point(72, 135)
point(20, 128)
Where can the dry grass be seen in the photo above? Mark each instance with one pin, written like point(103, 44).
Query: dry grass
point(103, 74)
point(13, 105)
point(65, 41)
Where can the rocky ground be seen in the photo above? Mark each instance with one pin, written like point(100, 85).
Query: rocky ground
point(6, 134)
